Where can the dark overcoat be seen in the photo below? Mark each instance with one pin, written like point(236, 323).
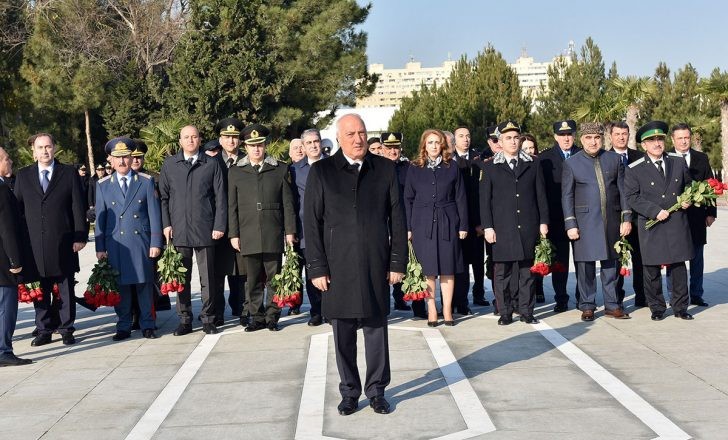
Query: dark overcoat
point(226, 258)
point(552, 162)
point(193, 199)
point(347, 218)
point(299, 177)
point(10, 256)
point(593, 201)
point(126, 227)
point(436, 208)
point(647, 193)
point(260, 206)
point(514, 204)
point(699, 170)
point(55, 220)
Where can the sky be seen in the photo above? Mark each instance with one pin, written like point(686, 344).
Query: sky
point(637, 34)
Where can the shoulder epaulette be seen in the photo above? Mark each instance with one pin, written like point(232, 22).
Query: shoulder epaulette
point(673, 154)
point(105, 178)
point(636, 162)
point(145, 175)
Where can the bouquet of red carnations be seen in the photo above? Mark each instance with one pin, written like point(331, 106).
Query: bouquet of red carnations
point(624, 249)
point(171, 271)
point(699, 193)
point(102, 287)
point(27, 293)
point(543, 259)
point(414, 284)
point(287, 284)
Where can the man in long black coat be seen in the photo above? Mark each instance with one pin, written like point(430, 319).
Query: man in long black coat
point(194, 217)
point(652, 185)
point(552, 162)
point(513, 212)
point(53, 207)
point(699, 217)
point(352, 198)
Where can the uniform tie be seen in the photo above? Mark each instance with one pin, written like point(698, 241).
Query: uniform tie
point(230, 162)
point(659, 168)
point(45, 181)
point(514, 162)
point(124, 186)
point(256, 168)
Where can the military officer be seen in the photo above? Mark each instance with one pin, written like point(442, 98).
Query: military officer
point(595, 216)
point(260, 212)
point(652, 185)
point(129, 233)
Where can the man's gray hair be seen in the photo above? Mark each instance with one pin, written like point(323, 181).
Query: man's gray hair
point(338, 121)
point(310, 131)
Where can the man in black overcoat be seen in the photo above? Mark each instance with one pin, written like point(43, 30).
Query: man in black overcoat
point(54, 208)
point(356, 243)
point(194, 218)
point(619, 137)
point(552, 161)
point(652, 185)
point(514, 213)
point(699, 217)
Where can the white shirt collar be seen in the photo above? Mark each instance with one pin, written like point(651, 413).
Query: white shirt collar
point(49, 167)
point(352, 161)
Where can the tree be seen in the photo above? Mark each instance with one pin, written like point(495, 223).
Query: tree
point(12, 41)
point(716, 88)
point(162, 139)
point(631, 92)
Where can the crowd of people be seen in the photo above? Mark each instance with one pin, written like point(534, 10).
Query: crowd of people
point(349, 215)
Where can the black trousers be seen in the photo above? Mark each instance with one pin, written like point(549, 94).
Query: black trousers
point(514, 283)
point(559, 279)
point(206, 266)
point(51, 315)
point(638, 281)
point(235, 298)
point(653, 288)
point(261, 268)
point(474, 255)
point(376, 348)
point(313, 293)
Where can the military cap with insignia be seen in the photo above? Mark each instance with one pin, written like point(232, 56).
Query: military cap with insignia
point(140, 148)
point(82, 167)
point(212, 145)
point(652, 129)
point(99, 167)
point(565, 127)
point(490, 132)
point(391, 139)
point(229, 127)
point(507, 126)
point(255, 134)
point(120, 147)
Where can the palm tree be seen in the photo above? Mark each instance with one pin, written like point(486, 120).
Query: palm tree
point(162, 140)
point(716, 87)
point(631, 92)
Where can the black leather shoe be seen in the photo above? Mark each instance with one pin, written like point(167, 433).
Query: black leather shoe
point(35, 332)
point(348, 406)
point(210, 329)
point(379, 404)
point(244, 321)
point(294, 311)
point(505, 320)
point(698, 302)
point(401, 305)
point(10, 360)
point(121, 335)
point(640, 304)
point(41, 339)
point(465, 311)
point(219, 322)
point(272, 326)
point(559, 308)
point(135, 325)
point(657, 316)
point(315, 321)
point(528, 319)
point(68, 339)
point(684, 315)
point(149, 334)
point(481, 302)
point(433, 323)
point(540, 298)
point(183, 329)
point(448, 323)
point(255, 326)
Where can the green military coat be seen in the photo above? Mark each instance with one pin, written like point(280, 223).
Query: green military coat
point(260, 206)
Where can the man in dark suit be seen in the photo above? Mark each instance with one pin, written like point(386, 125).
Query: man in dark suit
point(53, 207)
point(596, 215)
point(194, 216)
point(619, 137)
point(260, 217)
point(473, 247)
point(699, 217)
point(552, 162)
point(651, 186)
point(10, 265)
point(352, 252)
point(513, 212)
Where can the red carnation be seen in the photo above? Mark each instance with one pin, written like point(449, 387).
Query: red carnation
point(180, 288)
point(625, 272)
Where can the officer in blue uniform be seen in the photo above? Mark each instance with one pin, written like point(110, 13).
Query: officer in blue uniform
point(129, 233)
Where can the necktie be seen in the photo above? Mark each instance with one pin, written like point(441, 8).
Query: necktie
point(191, 161)
point(354, 167)
point(256, 168)
point(514, 162)
point(660, 169)
point(624, 159)
point(685, 154)
point(124, 186)
point(566, 155)
point(45, 181)
point(230, 162)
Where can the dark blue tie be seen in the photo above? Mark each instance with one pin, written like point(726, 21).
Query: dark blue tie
point(124, 186)
point(624, 159)
point(45, 182)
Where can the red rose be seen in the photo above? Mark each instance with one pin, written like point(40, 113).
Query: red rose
point(718, 191)
point(714, 183)
point(180, 288)
point(625, 272)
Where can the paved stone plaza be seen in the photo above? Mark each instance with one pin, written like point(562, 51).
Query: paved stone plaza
point(561, 379)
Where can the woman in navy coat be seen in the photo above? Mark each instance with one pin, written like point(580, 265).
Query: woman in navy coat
point(437, 218)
